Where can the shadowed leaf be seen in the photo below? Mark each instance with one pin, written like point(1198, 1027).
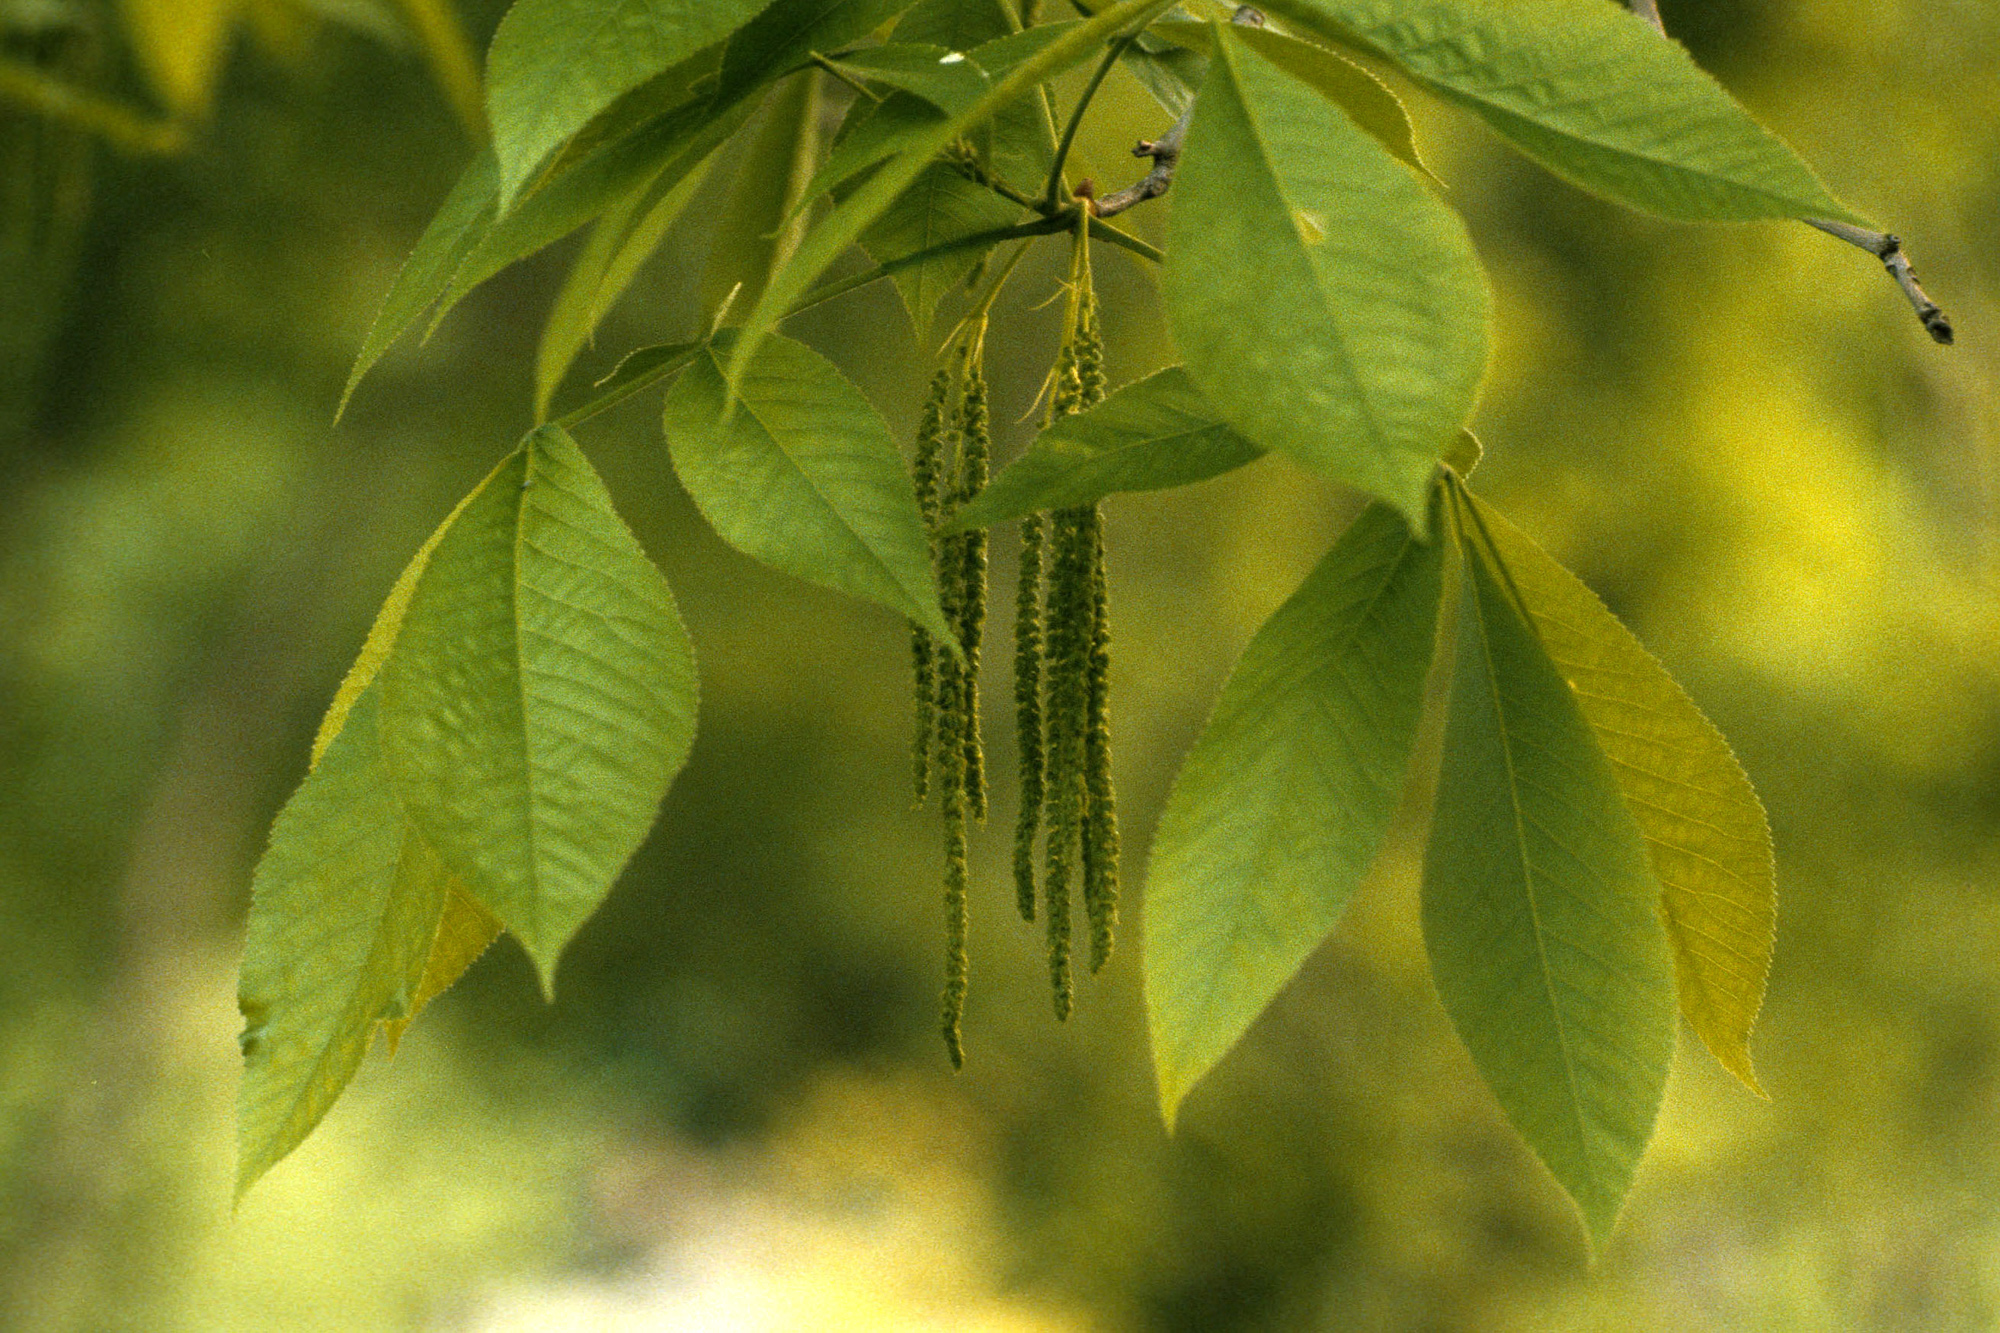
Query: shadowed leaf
point(1540, 913)
point(1284, 801)
point(1706, 835)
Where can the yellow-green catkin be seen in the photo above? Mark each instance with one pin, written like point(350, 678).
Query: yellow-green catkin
point(974, 463)
point(924, 651)
point(1028, 711)
point(957, 872)
point(955, 422)
point(1065, 698)
point(1100, 822)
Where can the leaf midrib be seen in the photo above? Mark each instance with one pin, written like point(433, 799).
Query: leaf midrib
point(1350, 372)
point(1575, 1102)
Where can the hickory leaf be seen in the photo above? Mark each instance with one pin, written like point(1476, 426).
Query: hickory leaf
point(800, 473)
point(948, 79)
point(1540, 913)
point(344, 907)
point(1150, 435)
point(956, 25)
point(940, 206)
point(654, 157)
point(555, 64)
point(540, 696)
point(623, 240)
point(788, 33)
point(1594, 93)
point(758, 226)
point(459, 224)
point(1327, 306)
point(1706, 836)
point(465, 930)
point(1284, 801)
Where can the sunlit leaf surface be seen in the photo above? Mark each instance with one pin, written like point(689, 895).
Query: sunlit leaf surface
point(1149, 435)
point(1284, 801)
point(540, 696)
point(1593, 92)
point(803, 476)
point(1326, 304)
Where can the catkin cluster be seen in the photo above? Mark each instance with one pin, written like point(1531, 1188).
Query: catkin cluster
point(953, 457)
point(1062, 658)
point(1062, 665)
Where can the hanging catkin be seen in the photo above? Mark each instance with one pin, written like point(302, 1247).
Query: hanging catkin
point(1028, 711)
point(924, 650)
point(952, 461)
point(975, 457)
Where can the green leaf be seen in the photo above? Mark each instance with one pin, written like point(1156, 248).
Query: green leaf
point(1592, 92)
point(1172, 74)
point(655, 157)
point(1285, 799)
point(956, 25)
point(344, 907)
point(786, 35)
point(826, 242)
point(623, 240)
point(1540, 914)
point(758, 227)
point(1149, 435)
point(948, 79)
point(1326, 304)
point(1706, 836)
point(460, 222)
point(555, 64)
point(800, 473)
point(1365, 98)
point(940, 206)
point(873, 133)
point(540, 696)
point(464, 931)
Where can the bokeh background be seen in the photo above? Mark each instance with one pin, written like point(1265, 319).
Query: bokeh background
point(736, 1114)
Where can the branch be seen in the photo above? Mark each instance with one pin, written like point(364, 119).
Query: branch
point(1883, 245)
point(1889, 249)
point(1165, 150)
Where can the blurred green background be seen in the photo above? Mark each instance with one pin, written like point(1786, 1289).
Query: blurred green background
point(736, 1114)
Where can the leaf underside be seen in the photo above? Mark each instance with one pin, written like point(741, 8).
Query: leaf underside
point(1540, 913)
point(1706, 836)
point(1284, 801)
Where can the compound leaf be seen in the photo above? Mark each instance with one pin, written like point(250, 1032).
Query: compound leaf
point(458, 225)
point(555, 64)
point(1592, 92)
point(1339, 80)
point(1706, 835)
point(940, 205)
point(464, 931)
point(758, 227)
point(344, 907)
point(623, 240)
